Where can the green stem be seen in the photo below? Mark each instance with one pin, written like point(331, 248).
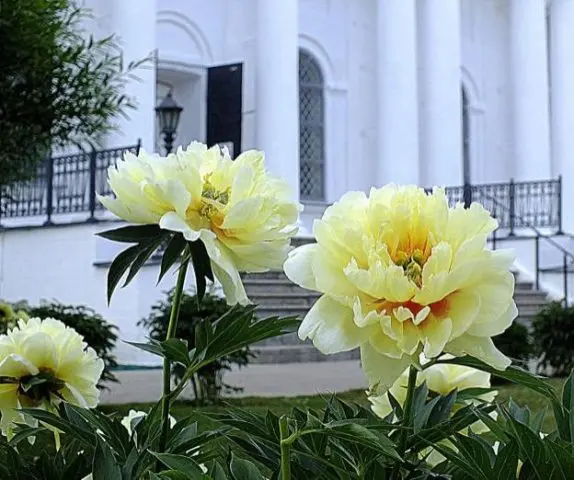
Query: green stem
point(171, 329)
point(285, 448)
point(408, 410)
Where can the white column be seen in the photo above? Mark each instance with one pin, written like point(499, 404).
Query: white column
point(562, 101)
point(440, 89)
point(135, 24)
point(277, 88)
point(398, 124)
point(529, 89)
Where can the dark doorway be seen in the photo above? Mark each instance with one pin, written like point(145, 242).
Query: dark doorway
point(224, 106)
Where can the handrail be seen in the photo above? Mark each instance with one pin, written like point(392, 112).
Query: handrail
point(566, 255)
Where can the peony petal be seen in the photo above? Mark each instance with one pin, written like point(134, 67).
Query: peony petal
point(463, 308)
point(331, 327)
point(499, 324)
point(479, 347)
point(381, 370)
point(436, 333)
point(16, 366)
point(298, 266)
point(172, 221)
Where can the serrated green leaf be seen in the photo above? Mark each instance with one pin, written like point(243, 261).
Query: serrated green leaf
point(176, 350)
point(172, 254)
point(131, 233)
point(201, 266)
point(119, 266)
point(242, 469)
point(181, 463)
point(104, 465)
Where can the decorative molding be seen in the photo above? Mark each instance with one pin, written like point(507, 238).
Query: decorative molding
point(182, 22)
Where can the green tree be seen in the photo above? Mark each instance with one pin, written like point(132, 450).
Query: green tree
point(60, 86)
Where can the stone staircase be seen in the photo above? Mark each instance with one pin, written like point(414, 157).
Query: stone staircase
point(276, 295)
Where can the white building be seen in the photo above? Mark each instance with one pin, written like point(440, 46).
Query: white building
point(342, 95)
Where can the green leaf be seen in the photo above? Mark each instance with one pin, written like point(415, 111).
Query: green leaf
point(506, 462)
point(119, 266)
point(152, 347)
point(201, 266)
point(172, 254)
point(33, 381)
point(176, 350)
point(512, 374)
point(531, 448)
point(369, 438)
point(182, 464)
point(568, 406)
point(243, 469)
point(104, 466)
point(216, 472)
point(132, 233)
point(147, 249)
point(61, 424)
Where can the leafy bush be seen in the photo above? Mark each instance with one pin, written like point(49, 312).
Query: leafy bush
point(515, 342)
point(97, 332)
point(208, 384)
point(553, 332)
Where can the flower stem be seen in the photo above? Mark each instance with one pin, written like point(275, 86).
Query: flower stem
point(171, 329)
point(285, 448)
point(408, 410)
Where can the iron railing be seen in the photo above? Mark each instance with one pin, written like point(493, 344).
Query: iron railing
point(63, 184)
point(567, 265)
point(516, 205)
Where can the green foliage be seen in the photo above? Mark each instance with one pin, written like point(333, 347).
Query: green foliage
point(553, 333)
point(148, 239)
point(97, 332)
point(515, 343)
point(60, 86)
point(207, 383)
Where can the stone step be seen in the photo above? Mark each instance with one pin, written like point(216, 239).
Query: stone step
point(298, 354)
point(256, 287)
point(305, 299)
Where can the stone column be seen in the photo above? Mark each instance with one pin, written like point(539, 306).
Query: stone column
point(440, 89)
point(134, 22)
point(398, 123)
point(529, 89)
point(277, 88)
point(562, 101)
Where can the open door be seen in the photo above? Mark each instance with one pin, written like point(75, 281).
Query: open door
point(224, 106)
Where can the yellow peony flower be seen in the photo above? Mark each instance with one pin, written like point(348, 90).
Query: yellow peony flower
point(244, 216)
point(401, 273)
point(42, 363)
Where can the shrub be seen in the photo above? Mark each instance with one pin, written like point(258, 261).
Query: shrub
point(553, 333)
point(208, 384)
point(97, 332)
point(515, 342)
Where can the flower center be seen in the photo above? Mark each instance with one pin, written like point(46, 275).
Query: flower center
point(39, 387)
point(212, 200)
point(412, 265)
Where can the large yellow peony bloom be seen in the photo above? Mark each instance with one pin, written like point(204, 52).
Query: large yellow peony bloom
point(42, 363)
point(402, 272)
point(244, 216)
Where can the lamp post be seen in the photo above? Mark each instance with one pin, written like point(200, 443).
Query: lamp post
point(168, 113)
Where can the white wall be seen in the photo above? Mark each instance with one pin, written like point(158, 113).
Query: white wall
point(59, 263)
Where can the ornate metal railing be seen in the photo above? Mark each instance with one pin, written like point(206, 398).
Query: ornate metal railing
point(516, 205)
point(63, 184)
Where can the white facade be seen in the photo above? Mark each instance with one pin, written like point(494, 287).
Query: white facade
point(390, 80)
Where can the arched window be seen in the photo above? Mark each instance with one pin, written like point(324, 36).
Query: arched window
point(465, 138)
point(311, 129)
